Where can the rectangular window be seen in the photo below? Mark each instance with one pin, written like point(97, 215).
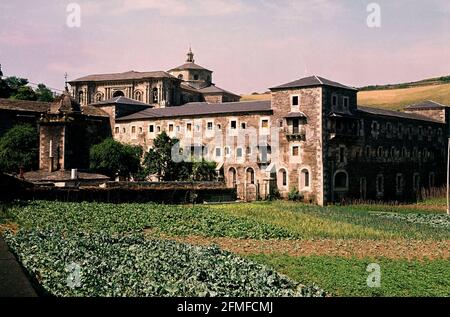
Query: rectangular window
point(140, 130)
point(334, 100)
point(170, 127)
point(243, 125)
point(342, 154)
point(295, 101)
point(218, 152)
point(239, 152)
point(158, 129)
point(133, 129)
point(189, 127)
point(233, 124)
point(178, 128)
point(117, 130)
point(151, 128)
point(210, 126)
point(227, 151)
point(295, 151)
point(124, 130)
point(264, 123)
point(346, 103)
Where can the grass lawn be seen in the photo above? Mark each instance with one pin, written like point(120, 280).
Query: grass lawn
point(348, 277)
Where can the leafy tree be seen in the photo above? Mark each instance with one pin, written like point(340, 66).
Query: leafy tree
point(14, 83)
point(113, 158)
point(158, 160)
point(5, 90)
point(25, 93)
point(19, 148)
point(44, 94)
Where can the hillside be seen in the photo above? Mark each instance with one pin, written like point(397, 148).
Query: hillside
point(393, 97)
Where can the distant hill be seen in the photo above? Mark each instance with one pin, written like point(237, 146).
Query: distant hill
point(394, 96)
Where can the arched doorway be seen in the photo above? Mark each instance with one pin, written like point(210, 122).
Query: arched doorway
point(250, 176)
point(118, 93)
point(232, 177)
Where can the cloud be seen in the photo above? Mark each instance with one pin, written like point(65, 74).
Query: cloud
point(177, 8)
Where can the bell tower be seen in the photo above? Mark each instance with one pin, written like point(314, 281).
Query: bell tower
point(190, 56)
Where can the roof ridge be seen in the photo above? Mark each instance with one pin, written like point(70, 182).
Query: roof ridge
point(320, 81)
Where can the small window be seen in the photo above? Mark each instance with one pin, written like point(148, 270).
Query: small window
point(189, 127)
point(124, 130)
point(158, 129)
point(264, 123)
point(346, 103)
point(239, 152)
point(380, 184)
point(210, 126)
point(334, 100)
point(399, 183)
point(233, 124)
point(133, 129)
point(170, 127)
point(380, 151)
point(243, 125)
point(219, 127)
point(295, 101)
point(196, 77)
point(117, 130)
point(341, 154)
point(177, 128)
point(295, 150)
point(151, 128)
point(416, 181)
point(218, 152)
point(227, 151)
point(140, 130)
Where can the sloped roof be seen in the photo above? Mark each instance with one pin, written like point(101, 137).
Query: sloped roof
point(201, 109)
point(424, 105)
point(189, 65)
point(24, 105)
point(120, 100)
point(124, 76)
point(312, 81)
point(213, 89)
point(391, 113)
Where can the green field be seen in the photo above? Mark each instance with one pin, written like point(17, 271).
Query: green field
point(317, 248)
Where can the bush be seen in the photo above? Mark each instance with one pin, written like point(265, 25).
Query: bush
point(19, 148)
point(295, 195)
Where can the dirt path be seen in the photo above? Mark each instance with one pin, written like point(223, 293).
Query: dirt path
point(393, 249)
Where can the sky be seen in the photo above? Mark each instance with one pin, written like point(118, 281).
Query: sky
point(250, 45)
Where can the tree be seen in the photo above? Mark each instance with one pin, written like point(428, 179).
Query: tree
point(25, 93)
point(158, 160)
point(113, 158)
point(19, 148)
point(44, 94)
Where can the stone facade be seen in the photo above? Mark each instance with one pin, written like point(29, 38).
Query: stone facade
point(180, 85)
point(313, 138)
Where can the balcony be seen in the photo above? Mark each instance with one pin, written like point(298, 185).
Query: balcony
point(295, 133)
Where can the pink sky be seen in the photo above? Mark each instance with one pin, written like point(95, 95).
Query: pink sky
point(249, 44)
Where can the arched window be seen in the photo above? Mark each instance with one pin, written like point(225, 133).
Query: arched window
point(250, 176)
point(282, 178)
point(138, 95)
point(118, 93)
point(155, 95)
point(180, 76)
point(98, 97)
point(304, 179)
point(340, 180)
point(232, 177)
